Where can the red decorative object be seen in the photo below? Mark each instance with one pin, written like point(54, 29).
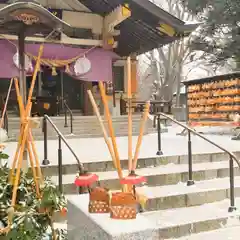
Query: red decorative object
point(86, 179)
point(133, 179)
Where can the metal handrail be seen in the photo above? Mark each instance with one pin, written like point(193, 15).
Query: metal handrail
point(67, 108)
point(47, 118)
point(190, 162)
point(200, 135)
point(5, 121)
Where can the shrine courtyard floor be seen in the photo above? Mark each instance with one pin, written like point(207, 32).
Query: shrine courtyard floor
point(95, 149)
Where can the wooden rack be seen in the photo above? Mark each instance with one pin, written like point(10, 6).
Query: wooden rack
point(214, 101)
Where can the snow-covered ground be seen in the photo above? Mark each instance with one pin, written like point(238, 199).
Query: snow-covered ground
point(95, 149)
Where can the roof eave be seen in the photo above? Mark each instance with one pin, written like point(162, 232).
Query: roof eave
point(54, 21)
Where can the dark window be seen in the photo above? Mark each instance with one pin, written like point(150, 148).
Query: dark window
point(118, 78)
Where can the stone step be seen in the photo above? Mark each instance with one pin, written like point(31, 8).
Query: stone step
point(82, 123)
point(157, 225)
point(148, 162)
point(181, 195)
point(175, 223)
point(77, 135)
point(157, 176)
point(63, 129)
point(80, 119)
point(225, 233)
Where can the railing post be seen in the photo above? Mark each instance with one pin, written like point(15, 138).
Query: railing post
point(45, 160)
point(71, 119)
point(232, 194)
point(190, 181)
point(60, 173)
point(65, 115)
point(159, 152)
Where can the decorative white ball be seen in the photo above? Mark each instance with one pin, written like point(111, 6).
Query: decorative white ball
point(82, 66)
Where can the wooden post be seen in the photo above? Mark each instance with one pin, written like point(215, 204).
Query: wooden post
point(129, 94)
point(105, 135)
point(139, 142)
point(110, 126)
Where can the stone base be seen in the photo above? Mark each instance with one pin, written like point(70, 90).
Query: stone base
point(85, 226)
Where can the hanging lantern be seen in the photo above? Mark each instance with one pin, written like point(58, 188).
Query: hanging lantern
point(82, 66)
point(28, 62)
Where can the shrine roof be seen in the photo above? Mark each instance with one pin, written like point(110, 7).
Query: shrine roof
point(30, 12)
point(140, 33)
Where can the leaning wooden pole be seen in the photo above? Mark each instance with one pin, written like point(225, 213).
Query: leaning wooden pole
point(105, 134)
point(140, 136)
point(110, 126)
point(129, 96)
point(36, 70)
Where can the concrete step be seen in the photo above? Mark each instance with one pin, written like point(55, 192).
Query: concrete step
point(175, 223)
point(225, 233)
point(77, 135)
point(157, 176)
point(157, 225)
point(83, 127)
point(150, 162)
point(181, 195)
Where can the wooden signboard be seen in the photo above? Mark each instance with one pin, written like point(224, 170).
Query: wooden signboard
point(214, 101)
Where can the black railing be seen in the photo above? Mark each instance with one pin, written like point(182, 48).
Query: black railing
point(66, 111)
point(61, 139)
point(190, 131)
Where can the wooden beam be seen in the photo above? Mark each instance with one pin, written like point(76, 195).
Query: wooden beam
point(64, 40)
point(84, 20)
point(114, 18)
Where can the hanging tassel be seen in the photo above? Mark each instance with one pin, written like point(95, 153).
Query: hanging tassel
point(54, 71)
point(67, 69)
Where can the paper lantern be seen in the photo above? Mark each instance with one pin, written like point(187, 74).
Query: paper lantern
point(82, 66)
point(28, 62)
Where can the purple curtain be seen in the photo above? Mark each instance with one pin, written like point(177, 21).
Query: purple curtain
point(101, 60)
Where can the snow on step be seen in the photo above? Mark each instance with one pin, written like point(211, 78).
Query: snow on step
point(151, 171)
point(229, 233)
point(182, 216)
point(182, 188)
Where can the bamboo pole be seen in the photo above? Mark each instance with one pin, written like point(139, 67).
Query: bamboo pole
point(21, 110)
point(20, 160)
point(129, 95)
point(36, 69)
point(39, 172)
point(6, 103)
point(31, 159)
point(139, 142)
point(24, 137)
point(105, 135)
point(110, 126)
